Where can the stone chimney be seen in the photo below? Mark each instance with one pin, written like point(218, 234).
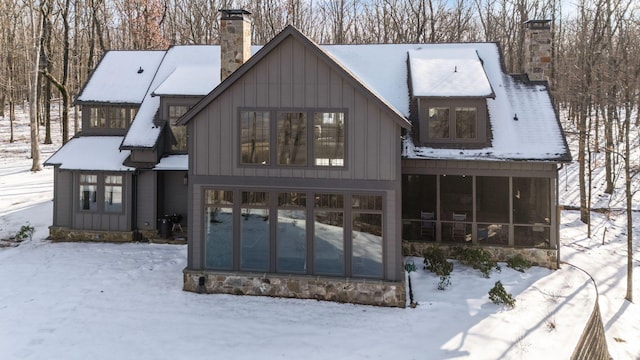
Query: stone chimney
point(235, 40)
point(537, 49)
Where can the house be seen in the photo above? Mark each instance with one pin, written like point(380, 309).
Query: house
point(311, 168)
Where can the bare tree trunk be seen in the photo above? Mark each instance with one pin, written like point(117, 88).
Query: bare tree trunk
point(33, 98)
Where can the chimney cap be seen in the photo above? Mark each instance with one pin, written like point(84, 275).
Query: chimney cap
point(538, 24)
point(230, 14)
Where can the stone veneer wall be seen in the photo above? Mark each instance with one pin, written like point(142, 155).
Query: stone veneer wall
point(539, 257)
point(356, 291)
point(235, 41)
point(537, 50)
point(65, 234)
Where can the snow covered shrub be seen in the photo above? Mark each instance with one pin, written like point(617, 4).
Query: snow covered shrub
point(498, 295)
point(435, 261)
point(477, 258)
point(26, 231)
point(519, 263)
point(444, 282)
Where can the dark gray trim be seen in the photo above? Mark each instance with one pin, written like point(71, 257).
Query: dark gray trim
point(287, 183)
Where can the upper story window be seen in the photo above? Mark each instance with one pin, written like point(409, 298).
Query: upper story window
point(453, 122)
point(111, 117)
point(294, 140)
point(179, 132)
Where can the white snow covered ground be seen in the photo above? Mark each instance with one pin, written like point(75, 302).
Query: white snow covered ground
point(125, 301)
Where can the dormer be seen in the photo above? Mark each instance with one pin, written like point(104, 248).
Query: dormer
point(450, 89)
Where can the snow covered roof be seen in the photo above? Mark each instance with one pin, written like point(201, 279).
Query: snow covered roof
point(129, 73)
point(190, 80)
point(173, 162)
point(448, 73)
point(94, 153)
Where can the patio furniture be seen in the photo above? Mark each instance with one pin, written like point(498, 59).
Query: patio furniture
point(458, 230)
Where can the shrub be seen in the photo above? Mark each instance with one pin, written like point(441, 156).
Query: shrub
point(476, 257)
point(519, 263)
point(435, 261)
point(444, 282)
point(498, 295)
point(26, 231)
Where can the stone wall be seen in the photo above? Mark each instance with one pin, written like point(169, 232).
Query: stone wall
point(356, 291)
point(66, 234)
point(235, 41)
point(538, 257)
point(537, 50)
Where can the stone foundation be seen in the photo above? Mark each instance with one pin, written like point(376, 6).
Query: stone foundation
point(66, 234)
point(356, 291)
point(547, 258)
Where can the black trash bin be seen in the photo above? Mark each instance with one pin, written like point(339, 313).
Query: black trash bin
point(165, 228)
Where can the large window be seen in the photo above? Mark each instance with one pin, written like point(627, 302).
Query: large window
point(254, 231)
point(294, 140)
point(101, 193)
point(291, 233)
point(254, 137)
point(179, 140)
point(110, 117)
point(218, 229)
point(334, 234)
point(446, 123)
point(366, 235)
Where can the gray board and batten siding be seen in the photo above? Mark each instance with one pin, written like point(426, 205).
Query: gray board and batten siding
point(296, 76)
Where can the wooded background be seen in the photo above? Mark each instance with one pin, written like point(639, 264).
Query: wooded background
point(48, 48)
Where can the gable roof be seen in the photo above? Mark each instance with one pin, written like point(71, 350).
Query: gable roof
point(130, 72)
point(291, 31)
point(452, 73)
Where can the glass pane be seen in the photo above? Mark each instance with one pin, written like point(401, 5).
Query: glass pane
point(117, 118)
point(219, 197)
point(439, 123)
point(329, 201)
point(292, 138)
point(367, 245)
point(97, 117)
point(328, 243)
point(88, 197)
point(293, 199)
point(531, 201)
point(254, 137)
point(113, 198)
point(180, 137)
point(291, 241)
point(366, 202)
point(218, 231)
point(175, 111)
point(466, 123)
point(492, 199)
point(328, 139)
point(254, 240)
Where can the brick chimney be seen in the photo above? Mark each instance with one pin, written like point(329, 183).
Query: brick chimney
point(537, 49)
point(235, 40)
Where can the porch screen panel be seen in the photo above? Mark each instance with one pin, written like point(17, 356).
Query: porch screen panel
point(291, 233)
point(492, 209)
point(254, 137)
point(419, 205)
point(218, 229)
point(254, 231)
point(88, 192)
point(366, 236)
point(532, 211)
point(456, 207)
point(328, 230)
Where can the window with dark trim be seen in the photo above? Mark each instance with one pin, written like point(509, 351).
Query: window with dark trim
point(88, 192)
point(446, 123)
point(179, 132)
point(292, 142)
point(101, 193)
point(111, 117)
